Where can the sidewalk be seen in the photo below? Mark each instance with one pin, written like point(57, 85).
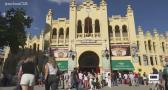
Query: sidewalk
point(120, 87)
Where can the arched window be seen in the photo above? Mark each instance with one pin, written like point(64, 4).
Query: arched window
point(154, 47)
point(30, 47)
point(54, 34)
point(34, 47)
point(61, 33)
point(163, 47)
point(149, 44)
point(97, 26)
point(38, 47)
point(138, 45)
point(88, 25)
point(67, 33)
point(110, 30)
point(139, 58)
point(124, 31)
point(117, 31)
point(145, 45)
point(151, 60)
point(79, 28)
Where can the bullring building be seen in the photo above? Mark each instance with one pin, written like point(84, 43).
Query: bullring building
point(93, 41)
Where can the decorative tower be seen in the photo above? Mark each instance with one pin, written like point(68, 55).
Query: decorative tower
point(72, 63)
point(49, 17)
point(131, 23)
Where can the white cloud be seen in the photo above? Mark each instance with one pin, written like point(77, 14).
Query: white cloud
point(65, 1)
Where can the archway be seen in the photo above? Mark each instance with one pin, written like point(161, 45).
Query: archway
point(89, 62)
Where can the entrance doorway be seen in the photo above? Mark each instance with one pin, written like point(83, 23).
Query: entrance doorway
point(89, 62)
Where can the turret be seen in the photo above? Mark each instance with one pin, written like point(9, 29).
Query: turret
point(72, 3)
point(155, 32)
point(140, 30)
point(131, 23)
point(49, 17)
point(148, 34)
point(103, 2)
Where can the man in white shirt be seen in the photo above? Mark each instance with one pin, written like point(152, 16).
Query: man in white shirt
point(131, 76)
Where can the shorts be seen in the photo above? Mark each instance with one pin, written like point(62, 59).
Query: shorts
point(28, 79)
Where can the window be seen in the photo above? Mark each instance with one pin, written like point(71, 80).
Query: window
point(124, 31)
point(61, 33)
point(138, 45)
point(151, 60)
point(139, 58)
point(34, 47)
point(154, 47)
point(88, 25)
point(97, 26)
point(79, 28)
point(163, 48)
point(117, 31)
point(149, 44)
point(145, 46)
point(54, 35)
point(67, 33)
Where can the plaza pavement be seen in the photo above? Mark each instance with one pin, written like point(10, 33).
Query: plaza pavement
point(120, 87)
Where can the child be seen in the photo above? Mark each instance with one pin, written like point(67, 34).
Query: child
point(41, 79)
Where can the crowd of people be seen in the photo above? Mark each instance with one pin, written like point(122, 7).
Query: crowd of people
point(52, 78)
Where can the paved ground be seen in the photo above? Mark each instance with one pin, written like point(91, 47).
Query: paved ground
point(121, 87)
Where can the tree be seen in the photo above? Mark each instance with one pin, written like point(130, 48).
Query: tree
point(12, 28)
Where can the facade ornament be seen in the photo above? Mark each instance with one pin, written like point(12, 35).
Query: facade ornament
point(73, 2)
point(129, 9)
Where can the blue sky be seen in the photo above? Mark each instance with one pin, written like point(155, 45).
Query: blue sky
point(148, 13)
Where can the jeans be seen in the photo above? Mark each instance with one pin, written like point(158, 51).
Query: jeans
point(52, 81)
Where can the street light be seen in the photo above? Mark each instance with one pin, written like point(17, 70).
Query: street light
point(72, 54)
point(106, 53)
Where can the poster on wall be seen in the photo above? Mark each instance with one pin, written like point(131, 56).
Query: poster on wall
point(60, 52)
point(134, 52)
point(120, 50)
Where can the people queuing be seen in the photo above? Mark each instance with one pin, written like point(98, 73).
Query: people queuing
point(54, 79)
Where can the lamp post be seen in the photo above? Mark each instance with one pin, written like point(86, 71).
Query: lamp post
point(107, 53)
point(72, 54)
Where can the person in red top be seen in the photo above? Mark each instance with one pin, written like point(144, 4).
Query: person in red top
point(136, 79)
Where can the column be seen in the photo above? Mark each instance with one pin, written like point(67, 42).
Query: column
point(64, 36)
point(121, 35)
point(114, 37)
point(57, 36)
point(83, 31)
point(93, 26)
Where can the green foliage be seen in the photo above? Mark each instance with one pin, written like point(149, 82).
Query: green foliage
point(12, 28)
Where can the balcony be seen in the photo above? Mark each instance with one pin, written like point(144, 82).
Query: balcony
point(119, 39)
point(97, 34)
point(60, 41)
point(87, 35)
point(79, 35)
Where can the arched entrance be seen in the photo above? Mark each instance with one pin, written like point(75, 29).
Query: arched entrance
point(89, 62)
